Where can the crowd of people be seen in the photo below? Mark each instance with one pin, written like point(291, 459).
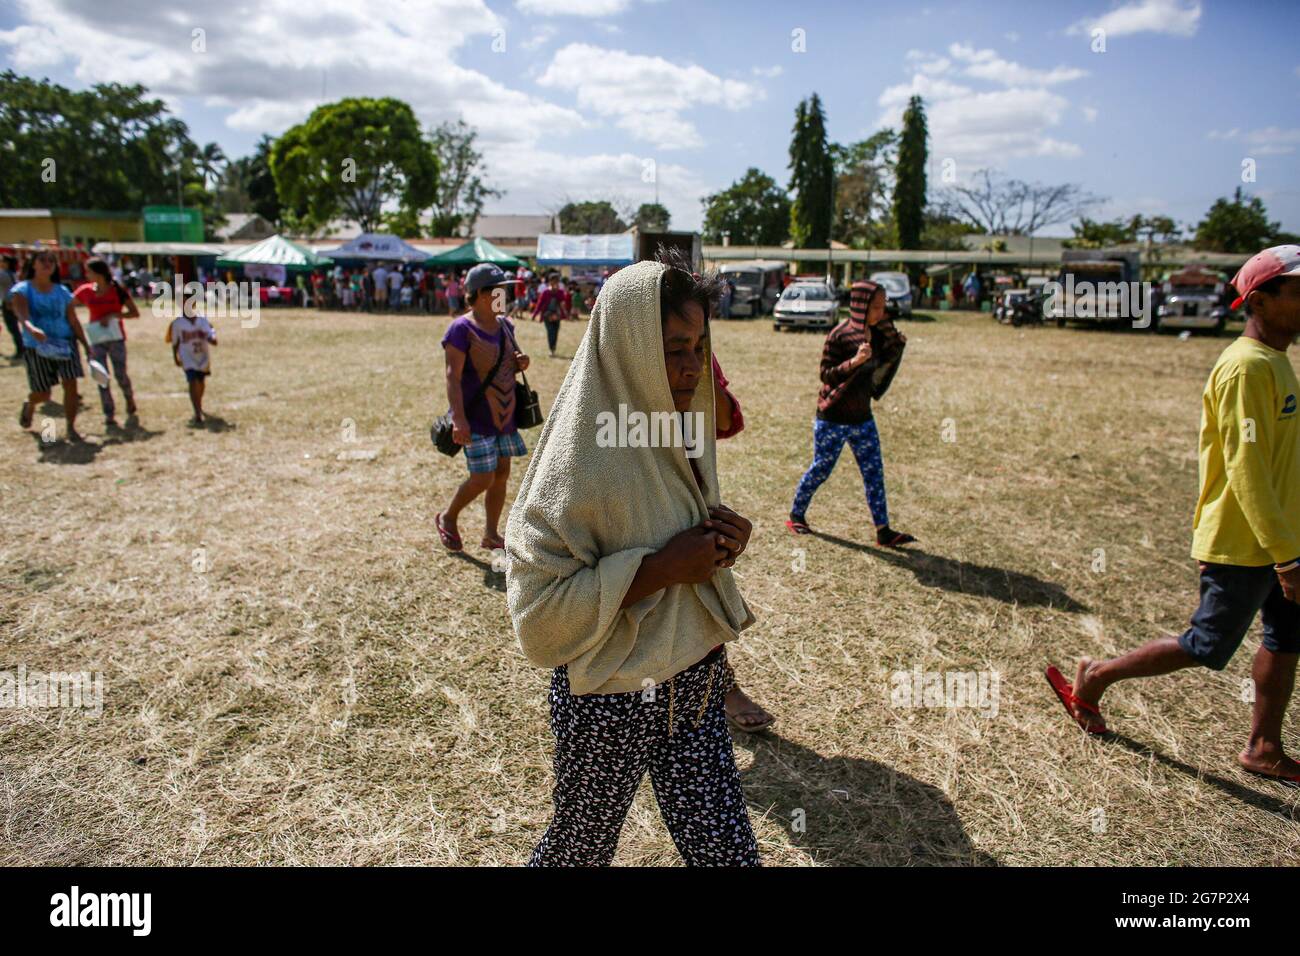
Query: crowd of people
point(398, 287)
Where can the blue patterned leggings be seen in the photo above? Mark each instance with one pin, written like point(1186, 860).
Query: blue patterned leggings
point(828, 439)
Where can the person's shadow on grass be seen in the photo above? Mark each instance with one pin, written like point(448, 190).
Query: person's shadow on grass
point(492, 578)
point(847, 811)
point(64, 452)
point(1286, 809)
point(965, 577)
point(215, 423)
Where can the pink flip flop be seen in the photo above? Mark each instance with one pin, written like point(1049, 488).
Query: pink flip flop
point(450, 539)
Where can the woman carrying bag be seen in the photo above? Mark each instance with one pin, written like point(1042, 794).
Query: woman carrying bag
point(482, 361)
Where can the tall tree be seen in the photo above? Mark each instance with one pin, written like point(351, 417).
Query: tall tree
point(1239, 225)
point(352, 157)
point(652, 217)
point(1004, 206)
point(752, 211)
point(461, 192)
point(909, 191)
point(597, 217)
point(210, 160)
point(812, 177)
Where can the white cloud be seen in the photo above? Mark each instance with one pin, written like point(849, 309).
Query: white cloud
point(1172, 17)
point(1089, 114)
point(619, 84)
point(404, 48)
point(573, 8)
point(1267, 141)
point(770, 73)
point(540, 181)
point(987, 65)
point(540, 37)
point(985, 127)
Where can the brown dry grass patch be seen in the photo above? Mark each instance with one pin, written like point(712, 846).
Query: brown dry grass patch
point(337, 690)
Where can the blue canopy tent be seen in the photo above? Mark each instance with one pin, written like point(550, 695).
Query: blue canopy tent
point(376, 247)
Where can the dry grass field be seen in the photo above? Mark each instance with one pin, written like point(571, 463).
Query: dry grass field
point(330, 687)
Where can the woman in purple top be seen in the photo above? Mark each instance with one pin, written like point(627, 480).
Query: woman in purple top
point(482, 361)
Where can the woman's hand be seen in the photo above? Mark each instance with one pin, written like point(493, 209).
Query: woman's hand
point(460, 432)
point(522, 361)
point(693, 555)
point(37, 334)
point(733, 530)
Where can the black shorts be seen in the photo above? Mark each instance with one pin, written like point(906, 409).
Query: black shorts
point(44, 373)
point(194, 375)
point(1231, 596)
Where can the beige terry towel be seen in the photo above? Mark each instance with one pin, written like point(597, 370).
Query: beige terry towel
point(586, 515)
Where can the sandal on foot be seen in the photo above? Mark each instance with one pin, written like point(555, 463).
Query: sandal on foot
point(890, 538)
point(495, 543)
point(450, 539)
point(798, 527)
point(1084, 714)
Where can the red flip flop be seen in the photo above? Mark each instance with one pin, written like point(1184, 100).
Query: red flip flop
point(450, 540)
point(1084, 714)
point(1287, 780)
point(798, 527)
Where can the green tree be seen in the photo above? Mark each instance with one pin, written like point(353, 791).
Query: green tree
point(593, 217)
point(909, 191)
point(352, 157)
point(109, 147)
point(652, 217)
point(752, 211)
point(461, 192)
point(812, 177)
point(864, 177)
point(1236, 226)
point(1095, 234)
point(210, 160)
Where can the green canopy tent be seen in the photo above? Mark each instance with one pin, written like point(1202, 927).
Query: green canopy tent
point(274, 251)
point(474, 252)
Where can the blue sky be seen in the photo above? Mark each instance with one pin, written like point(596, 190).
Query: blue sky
point(609, 98)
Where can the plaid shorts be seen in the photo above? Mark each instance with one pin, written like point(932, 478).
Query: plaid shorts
point(483, 452)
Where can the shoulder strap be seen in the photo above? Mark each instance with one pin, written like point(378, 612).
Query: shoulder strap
point(482, 385)
point(514, 346)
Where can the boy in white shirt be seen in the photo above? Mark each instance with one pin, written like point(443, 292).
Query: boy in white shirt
point(190, 337)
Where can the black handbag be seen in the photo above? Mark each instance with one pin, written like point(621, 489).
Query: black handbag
point(528, 408)
point(443, 430)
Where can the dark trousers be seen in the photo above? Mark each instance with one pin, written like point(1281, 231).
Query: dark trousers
point(606, 743)
point(552, 333)
point(11, 323)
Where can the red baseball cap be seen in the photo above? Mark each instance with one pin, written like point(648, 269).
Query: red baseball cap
point(1269, 264)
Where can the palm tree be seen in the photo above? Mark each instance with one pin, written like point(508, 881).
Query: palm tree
point(209, 161)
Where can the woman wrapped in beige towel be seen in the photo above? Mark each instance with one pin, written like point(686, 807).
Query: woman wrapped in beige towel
point(619, 578)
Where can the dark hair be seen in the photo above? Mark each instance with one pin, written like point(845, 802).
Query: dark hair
point(1270, 288)
point(682, 284)
point(11, 263)
point(99, 267)
point(29, 272)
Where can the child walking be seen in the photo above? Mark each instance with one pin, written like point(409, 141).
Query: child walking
point(190, 337)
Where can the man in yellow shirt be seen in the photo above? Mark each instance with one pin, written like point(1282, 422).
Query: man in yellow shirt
point(1247, 527)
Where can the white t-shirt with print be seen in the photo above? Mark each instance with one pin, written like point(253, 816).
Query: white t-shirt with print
point(191, 336)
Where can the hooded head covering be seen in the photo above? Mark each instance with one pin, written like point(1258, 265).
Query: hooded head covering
point(860, 295)
point(587, 513)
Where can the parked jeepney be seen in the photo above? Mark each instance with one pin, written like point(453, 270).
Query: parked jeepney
point(758, 284)
point(1193, 299)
